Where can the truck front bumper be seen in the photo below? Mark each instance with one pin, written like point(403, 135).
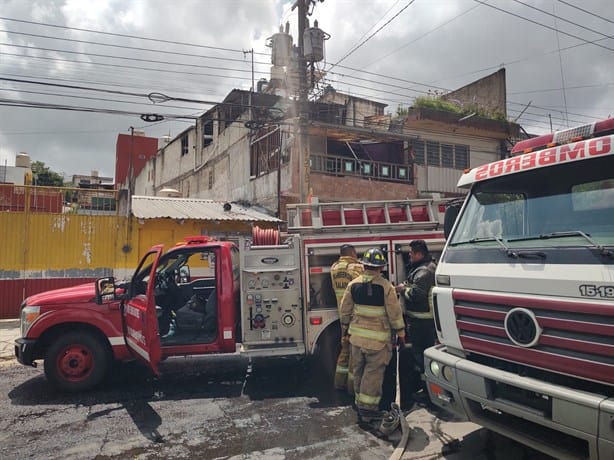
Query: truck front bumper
point(560, 421)
point(24, 351)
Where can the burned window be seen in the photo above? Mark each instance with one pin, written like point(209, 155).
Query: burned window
point(265, 151)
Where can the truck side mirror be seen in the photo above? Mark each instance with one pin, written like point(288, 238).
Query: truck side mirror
point(105, 290)
point(452, 210)
point(184, 274)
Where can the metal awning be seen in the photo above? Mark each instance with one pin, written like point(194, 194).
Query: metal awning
point(154, 207)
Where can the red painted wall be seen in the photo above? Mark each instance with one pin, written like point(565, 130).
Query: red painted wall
point(15, 291)
point(142, 148)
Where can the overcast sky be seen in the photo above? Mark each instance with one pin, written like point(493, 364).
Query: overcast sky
point(558, 55)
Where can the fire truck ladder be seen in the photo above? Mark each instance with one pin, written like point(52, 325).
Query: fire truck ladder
point(419, 214)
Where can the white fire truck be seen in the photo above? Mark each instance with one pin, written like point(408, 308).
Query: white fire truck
point(268, 296)
point(524, 297)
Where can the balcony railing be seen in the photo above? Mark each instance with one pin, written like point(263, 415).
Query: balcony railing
point(344, 166)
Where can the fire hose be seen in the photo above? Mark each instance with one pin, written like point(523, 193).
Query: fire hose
point(396, 417)
point(265, 236)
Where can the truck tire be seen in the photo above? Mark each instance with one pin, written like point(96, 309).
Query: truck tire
point(325, 355)
point(76, 361)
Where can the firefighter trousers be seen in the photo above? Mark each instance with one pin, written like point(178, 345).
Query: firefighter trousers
point(368, 367)
point(344, 378)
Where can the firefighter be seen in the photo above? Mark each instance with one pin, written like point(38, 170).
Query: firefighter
point(344, 270)
point(418, 315)
point(371, 314)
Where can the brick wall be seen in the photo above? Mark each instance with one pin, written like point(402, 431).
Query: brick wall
point(333, 188)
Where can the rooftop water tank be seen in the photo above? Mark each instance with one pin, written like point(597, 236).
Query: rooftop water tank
point(22, 160)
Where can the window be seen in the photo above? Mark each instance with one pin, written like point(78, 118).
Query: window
point(432, 153)
point(461, 156)
point(210, 179)
point(207, 133)
point(447, 155)
point(418, 149)
point(184, 145)
point(265, 151)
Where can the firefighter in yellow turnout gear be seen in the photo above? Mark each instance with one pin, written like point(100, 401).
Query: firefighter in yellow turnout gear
point(344, 270)
point(371, 314)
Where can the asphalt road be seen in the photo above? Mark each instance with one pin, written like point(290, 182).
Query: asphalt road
point(221, 409)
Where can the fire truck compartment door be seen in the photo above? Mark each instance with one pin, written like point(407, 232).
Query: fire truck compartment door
point(139, 313)
point(271, 301)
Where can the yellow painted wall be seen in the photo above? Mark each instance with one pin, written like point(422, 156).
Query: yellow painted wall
point(73, 245)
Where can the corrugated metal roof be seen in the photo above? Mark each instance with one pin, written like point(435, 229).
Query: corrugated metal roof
point(155, 207)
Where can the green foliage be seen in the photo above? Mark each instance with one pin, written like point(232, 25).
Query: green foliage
point(437, 103)
point(42, 175)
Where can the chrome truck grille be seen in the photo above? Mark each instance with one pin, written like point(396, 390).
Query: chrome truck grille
point(570, 337)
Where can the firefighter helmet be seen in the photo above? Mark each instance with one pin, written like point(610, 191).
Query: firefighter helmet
point(373, 257)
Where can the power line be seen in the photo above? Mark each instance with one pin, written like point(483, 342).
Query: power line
point(124, 58)
point(421, 36)
point(586, 11)
point(593, 42)
point(562, 19)
point(43, 93)
point(112, 34)
point(373, 34)
point(559, 89)
point(151, 96)
point(31, 78)
point(126, 47)
point(376, 22)
point(123, 66)
point(44, 105)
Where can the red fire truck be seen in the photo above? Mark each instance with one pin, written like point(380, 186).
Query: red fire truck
point(265, 296)
point(524, 297)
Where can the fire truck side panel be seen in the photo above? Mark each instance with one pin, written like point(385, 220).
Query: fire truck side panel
point(272, 315)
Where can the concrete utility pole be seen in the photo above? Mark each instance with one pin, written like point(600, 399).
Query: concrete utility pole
point(303, 108)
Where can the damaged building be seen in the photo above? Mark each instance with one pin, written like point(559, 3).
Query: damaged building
point(250, 148)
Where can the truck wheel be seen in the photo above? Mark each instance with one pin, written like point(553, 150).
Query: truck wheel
point(76, 361)
point(325, 356)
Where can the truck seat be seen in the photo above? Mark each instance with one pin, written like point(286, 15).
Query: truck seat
point(209, 323)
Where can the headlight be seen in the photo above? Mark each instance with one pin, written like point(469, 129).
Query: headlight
point(29, 314)
point(435, 368)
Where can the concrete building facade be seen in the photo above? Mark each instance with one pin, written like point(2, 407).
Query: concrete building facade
point(247, 149)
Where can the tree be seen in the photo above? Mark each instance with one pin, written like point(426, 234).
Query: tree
point(42, 175)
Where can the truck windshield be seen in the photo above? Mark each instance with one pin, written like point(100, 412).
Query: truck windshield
point(565, 205)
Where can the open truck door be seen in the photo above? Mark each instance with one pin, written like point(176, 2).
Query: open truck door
point(139, 311)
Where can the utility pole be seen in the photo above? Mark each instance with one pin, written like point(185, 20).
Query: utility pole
point(131, 165)
point(303, 109)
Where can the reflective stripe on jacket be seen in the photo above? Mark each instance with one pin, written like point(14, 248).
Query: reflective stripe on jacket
point(342, 272)
point(372, 310)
